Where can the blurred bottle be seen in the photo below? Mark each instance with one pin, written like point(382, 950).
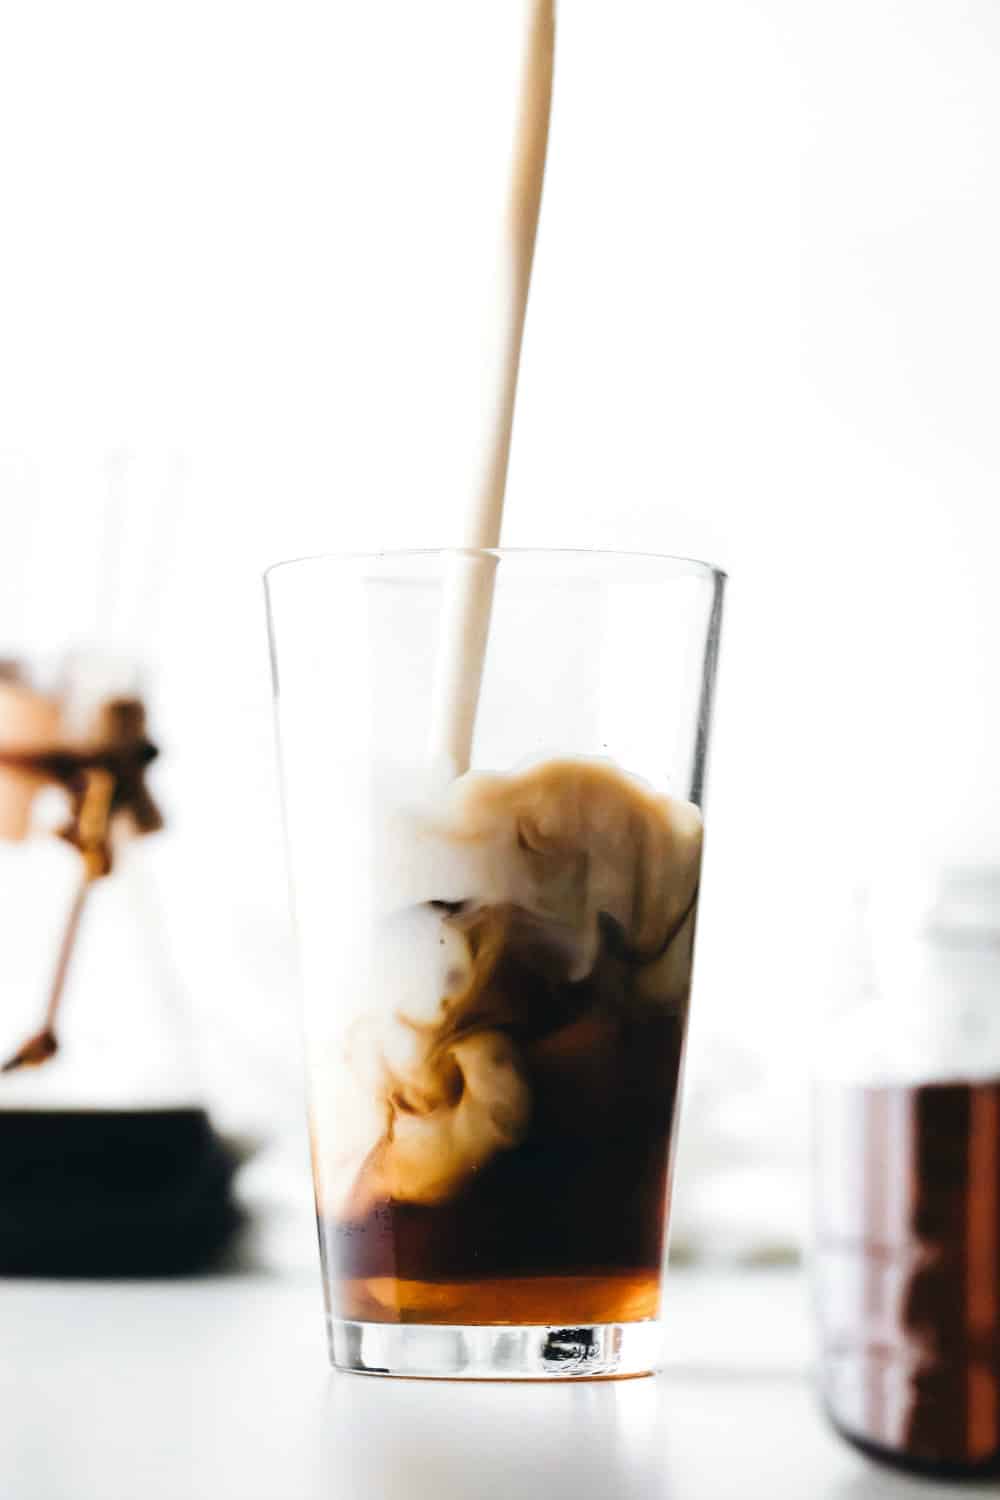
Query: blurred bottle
point(108, 1162)
point(907, 1180)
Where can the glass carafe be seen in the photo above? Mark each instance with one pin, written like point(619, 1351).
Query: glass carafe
point(108, 1162)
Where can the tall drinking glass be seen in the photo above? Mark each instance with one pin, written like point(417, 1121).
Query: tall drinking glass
point(495, 966)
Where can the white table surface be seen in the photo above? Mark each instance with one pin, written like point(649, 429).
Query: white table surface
point(219, 1388)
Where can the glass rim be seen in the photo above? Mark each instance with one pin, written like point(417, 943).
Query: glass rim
point(691, 566)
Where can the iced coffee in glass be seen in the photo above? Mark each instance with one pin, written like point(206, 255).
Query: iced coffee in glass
point(496, 965)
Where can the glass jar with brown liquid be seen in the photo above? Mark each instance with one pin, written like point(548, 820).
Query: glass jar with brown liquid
point(907, 1186)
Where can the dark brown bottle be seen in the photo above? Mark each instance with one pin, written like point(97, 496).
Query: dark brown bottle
point(907, 1267)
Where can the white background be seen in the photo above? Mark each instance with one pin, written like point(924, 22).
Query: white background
point(764, 329)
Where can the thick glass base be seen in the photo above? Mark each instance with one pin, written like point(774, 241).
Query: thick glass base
point(504, 1352)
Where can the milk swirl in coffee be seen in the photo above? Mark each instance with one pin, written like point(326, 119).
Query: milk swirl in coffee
point(492, 1128)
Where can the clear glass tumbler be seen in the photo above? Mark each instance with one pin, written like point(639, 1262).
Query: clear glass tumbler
point(495, 965)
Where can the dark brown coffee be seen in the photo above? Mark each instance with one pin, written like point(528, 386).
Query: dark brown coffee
point(908, 1270)
point(492, 1130)
point(566, 1226)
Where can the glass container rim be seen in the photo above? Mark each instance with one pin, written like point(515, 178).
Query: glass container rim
point(684, 566)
